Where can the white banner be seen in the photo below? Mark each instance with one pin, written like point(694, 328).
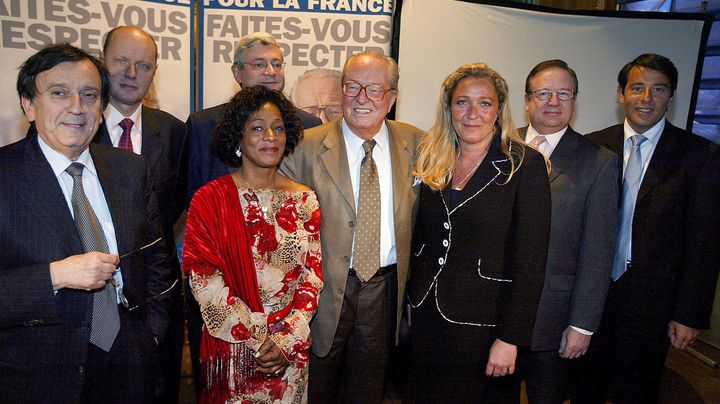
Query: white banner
point(438, 36)
point(314, 34)
point(29, 25)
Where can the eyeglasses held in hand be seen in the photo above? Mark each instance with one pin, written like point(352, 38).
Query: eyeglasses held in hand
point(563, 94)
point(373, 92)
point(133, 252)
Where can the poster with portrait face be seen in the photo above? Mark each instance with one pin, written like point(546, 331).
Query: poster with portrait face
point(316, 37)
point(29, 25)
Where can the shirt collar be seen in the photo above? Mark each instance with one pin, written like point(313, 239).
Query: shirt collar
point(59, 162)
point(113, 117)
point(553, 138)
point(652, 134)
point(355, 142)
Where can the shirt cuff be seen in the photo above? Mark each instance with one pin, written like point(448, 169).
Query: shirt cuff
point(581, 331)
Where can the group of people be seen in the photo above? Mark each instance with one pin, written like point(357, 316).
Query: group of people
point(570, 262)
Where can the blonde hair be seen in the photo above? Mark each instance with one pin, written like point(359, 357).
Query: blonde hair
point(438, 151)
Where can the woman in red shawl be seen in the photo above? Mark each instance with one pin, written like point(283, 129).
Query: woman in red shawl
point(252, 252)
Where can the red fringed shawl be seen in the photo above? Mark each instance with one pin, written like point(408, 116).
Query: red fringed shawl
point(216, 238)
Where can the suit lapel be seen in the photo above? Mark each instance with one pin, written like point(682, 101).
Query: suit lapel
point(665, 154)
point(117, 195)
point(45, 200)
point(103, 136)
point(334, 158)
point(562, 158)
point(400, 163)
point(152, 143)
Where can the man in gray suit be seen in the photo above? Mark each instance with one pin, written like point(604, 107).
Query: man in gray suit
point(360, 305)
point(583, 186)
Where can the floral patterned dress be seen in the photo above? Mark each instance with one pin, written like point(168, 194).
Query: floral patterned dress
point(283, 229)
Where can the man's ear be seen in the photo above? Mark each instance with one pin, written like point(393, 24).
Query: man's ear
point(621, 94)
point(236, 73)
point(28, 108)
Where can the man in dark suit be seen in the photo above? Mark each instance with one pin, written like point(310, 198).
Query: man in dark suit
point(130, 55)
point(77, 322)
point(355, 326)
point(583, 185)
point(668, 244)
point(258, 60)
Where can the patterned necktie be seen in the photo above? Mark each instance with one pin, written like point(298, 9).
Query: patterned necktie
point(538, 142)
point(631, 185)
point(366, 260)
point(105, 317)
point(125, 139)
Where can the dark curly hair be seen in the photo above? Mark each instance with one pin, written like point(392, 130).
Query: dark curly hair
point(228, 132)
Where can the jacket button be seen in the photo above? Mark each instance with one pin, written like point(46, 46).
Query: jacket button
point(351, 223)
point(81, 370)
point(346, 258)
point(446, 225)
point(441, 261)
point(445, 243)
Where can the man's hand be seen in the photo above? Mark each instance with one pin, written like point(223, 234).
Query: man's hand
point(502, 359)
point(681, 335)
point(84, 271)
point(270, 359)
point(573, 344)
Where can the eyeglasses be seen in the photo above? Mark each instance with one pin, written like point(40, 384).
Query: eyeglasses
point(258, 66)
point(374, 92)
point(563, 94)
point(331, 111)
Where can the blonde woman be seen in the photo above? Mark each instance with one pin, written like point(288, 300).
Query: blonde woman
point(479, 245)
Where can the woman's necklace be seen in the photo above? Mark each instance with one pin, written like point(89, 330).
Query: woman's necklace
point(459, 185)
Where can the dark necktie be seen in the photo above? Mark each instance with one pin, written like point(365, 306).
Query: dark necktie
point(105, 317)
point(366, 260)
point(631, 185)
point(126, 138)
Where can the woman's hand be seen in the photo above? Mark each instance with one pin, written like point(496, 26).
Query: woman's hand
point(502, 359)
point(270, 359)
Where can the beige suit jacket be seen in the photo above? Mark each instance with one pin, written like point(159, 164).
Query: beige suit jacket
point(320, 161)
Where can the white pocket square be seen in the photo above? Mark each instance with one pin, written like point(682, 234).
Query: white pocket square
point(416, 181)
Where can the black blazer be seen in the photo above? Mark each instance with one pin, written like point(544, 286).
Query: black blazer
point(676, 228)
point(486, 256)
point(584, 197)
point(44, 336)
point(203, 165)
point(162, 139)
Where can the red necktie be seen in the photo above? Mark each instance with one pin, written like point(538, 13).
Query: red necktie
point(125, 139)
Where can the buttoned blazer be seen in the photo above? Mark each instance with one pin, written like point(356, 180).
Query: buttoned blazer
point(584, 194)
point(675, 230)
point(483, 262)
point(162, 140)
point(44, 335)
point(202, 164)
point(320, 161)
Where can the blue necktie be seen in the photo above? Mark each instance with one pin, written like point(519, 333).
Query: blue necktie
point(631, 185)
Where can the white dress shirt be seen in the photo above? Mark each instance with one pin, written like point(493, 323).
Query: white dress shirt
point(381, 155)
point(551, 140)
point(112, 123)
point(93, 190)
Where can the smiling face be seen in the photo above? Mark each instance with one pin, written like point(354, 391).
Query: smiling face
point(269, 77)
point(362, 115)
point(474, 106)
point(263, 141)
point(646, 98)
point(67, 109)
point(552, 115)
point(130, 58)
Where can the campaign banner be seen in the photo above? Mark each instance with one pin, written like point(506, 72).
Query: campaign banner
point(316, 37)
point(29, 25)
